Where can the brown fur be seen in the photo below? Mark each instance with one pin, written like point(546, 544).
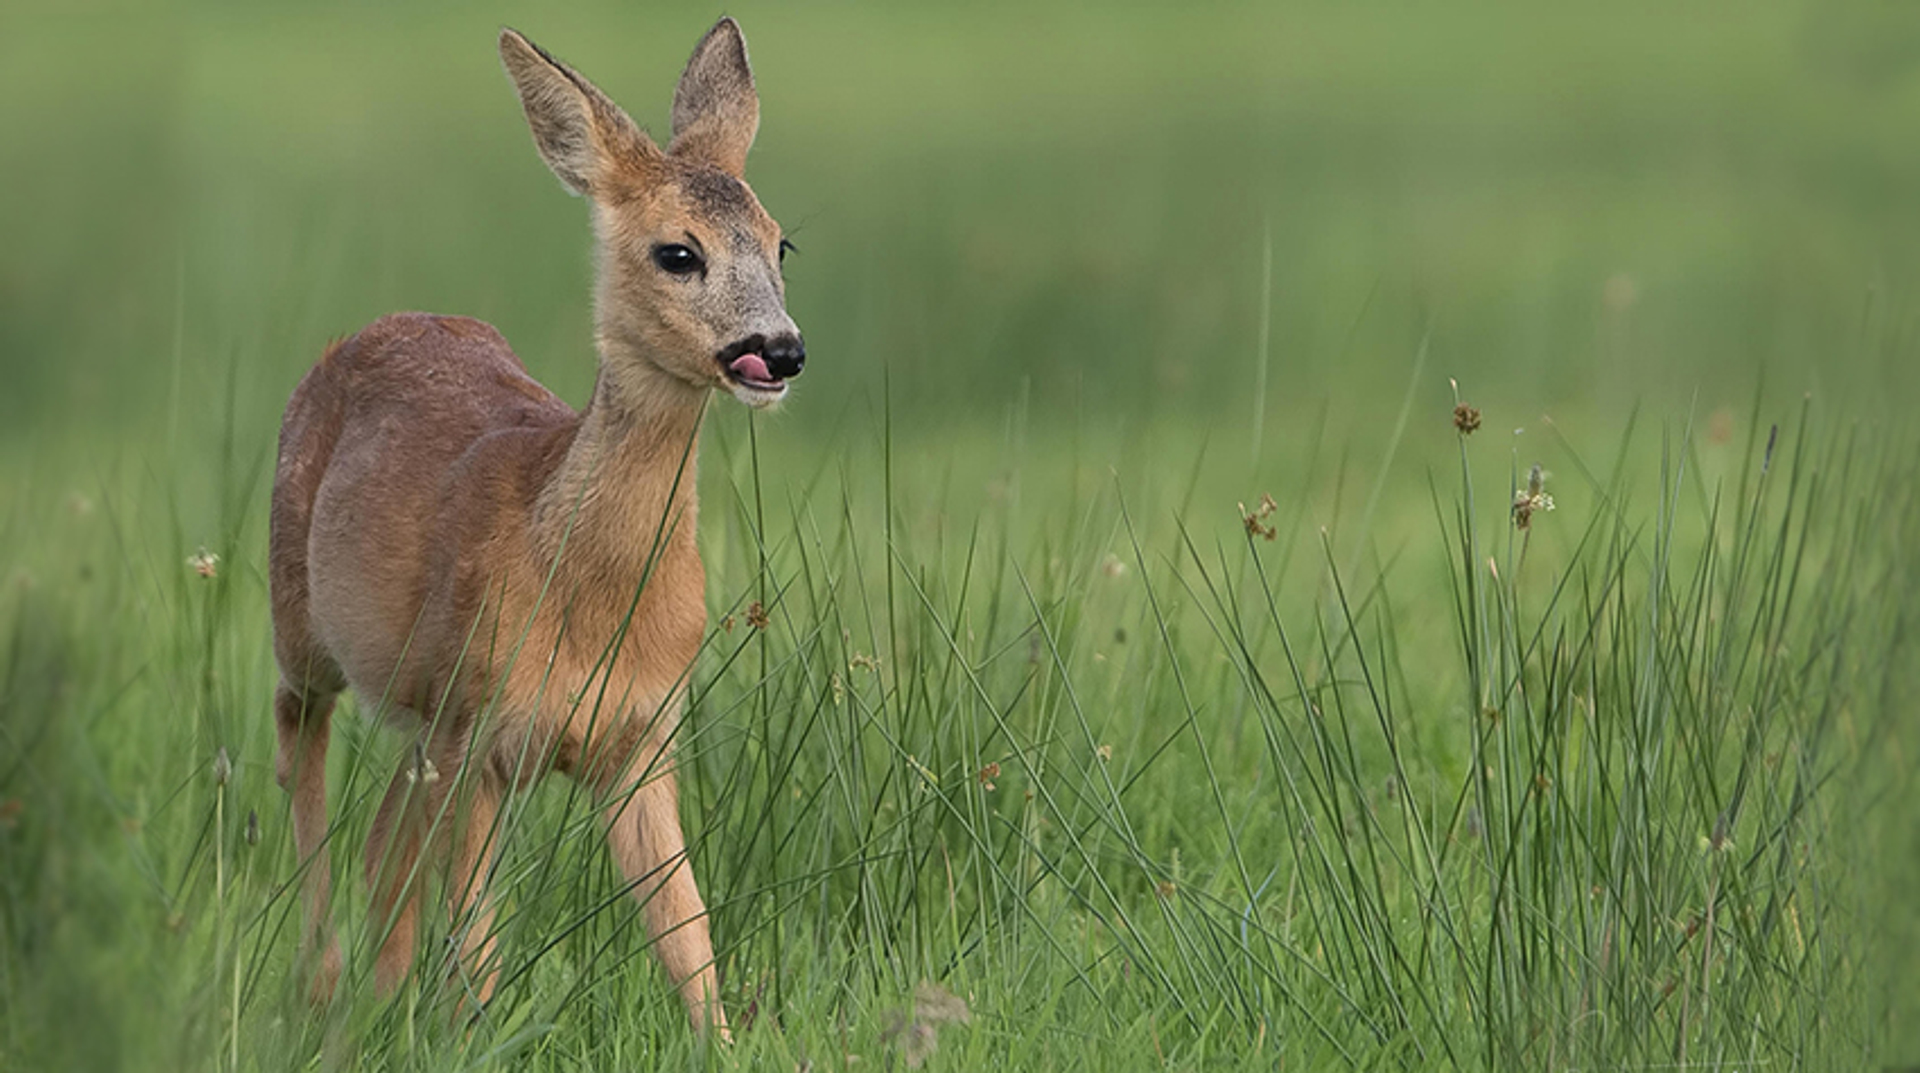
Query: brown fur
point(515, 580)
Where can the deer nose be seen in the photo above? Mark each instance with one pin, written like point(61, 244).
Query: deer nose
point(785, 355)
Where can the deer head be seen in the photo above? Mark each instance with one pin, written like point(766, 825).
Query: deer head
point(689, 294)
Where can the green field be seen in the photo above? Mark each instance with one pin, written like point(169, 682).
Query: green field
point(1040, 718)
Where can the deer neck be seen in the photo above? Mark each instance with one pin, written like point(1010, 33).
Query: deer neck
point(621, 505)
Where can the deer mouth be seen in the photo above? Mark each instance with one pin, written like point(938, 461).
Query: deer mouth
point(758, 367)
point(750, 371)
point(752, 382)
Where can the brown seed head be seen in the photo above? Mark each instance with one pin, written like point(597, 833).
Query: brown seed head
point(989, 773)
point(1255, 519)
point(1466, 419)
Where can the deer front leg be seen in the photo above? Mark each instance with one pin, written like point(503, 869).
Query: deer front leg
point(644, 834)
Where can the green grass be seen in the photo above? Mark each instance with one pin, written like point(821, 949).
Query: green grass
point(1036, 717)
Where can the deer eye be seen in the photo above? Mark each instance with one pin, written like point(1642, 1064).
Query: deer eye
point(677, 259)
point(786, 248)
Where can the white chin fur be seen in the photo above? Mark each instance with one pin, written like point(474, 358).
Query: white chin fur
point(758, 398)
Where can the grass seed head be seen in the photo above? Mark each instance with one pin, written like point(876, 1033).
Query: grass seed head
point(423, 769)
point(204, 563)
point(1256, 519)
point(1720, 840)
point(1532, 499)
point(1466, 419)
point(989, 772)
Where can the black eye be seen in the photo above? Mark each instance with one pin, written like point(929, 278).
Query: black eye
point(786, 248)
point(677, 259)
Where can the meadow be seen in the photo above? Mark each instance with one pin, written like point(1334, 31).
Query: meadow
point(1127, 649)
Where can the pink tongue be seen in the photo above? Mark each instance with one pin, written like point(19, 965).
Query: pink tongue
point(751, 367)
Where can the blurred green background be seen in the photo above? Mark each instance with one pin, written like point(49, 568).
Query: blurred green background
point(1047, 205)
point(1213, 246)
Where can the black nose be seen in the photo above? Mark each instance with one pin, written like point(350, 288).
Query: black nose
point(785, 356)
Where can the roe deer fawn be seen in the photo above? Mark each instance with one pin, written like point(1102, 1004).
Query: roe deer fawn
point(437, 513)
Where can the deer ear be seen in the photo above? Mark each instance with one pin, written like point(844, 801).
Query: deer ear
point(716, 110)
point(582, 135)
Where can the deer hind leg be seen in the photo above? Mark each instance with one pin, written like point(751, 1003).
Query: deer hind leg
point(469, 903)
point(402, 833)
point(644, 833)
point(304, 722)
